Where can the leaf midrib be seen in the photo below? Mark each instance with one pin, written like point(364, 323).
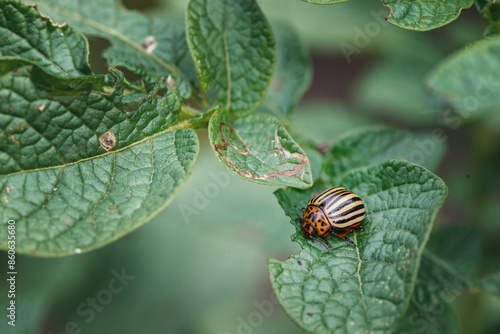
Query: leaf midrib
point(360, 283)
point(180, 126)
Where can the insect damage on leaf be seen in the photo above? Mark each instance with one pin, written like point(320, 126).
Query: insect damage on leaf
point(245, 151)
point(107, 140)
point(171, 82)
point(149, 44)
point(390, 8)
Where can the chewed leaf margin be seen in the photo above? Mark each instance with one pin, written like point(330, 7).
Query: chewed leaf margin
point(258, 148)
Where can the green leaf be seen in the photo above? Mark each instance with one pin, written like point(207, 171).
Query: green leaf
point(423, 15)
point(329, 121)
point(315, 158)
point(395, 88)
point(374, 144)
point(475, 258)
point(490, 284)
point(68, 194)
point(258, 148)
point(349, 30)
point(468, 80)
point(490, 11)
point(431, 309)
point(150, 49)
point(454, 245)
point(292, 75)
point(416, 321)
point(233, 50)
point(59, 53)
point(31, 305)
point(483, 5)
point(365, 288)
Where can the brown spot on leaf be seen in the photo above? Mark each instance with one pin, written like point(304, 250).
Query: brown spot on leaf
point(42, 107)
point(324, 148)
point(390, 8)
point(170, 82)
point(107, 140)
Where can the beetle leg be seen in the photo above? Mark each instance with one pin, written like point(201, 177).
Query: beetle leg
point(324, 243)
point(350, 241)
point(358, 228)
point(342, 234)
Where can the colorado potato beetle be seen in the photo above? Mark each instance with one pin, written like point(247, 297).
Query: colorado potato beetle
point(336, 211)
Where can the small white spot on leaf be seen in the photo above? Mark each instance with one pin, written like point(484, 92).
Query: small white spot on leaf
point(170, 82)
point(149, 44)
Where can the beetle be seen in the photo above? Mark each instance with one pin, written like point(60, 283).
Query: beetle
point(336, 211)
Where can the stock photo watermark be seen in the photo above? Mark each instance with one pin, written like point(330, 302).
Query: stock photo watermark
point(263, 309)
point(11, 272)
point(453, 118)
point(203, 194)
point(424, 148)
point(97, 303)
point(363, 36)
point(464, 109)
point(426, 313)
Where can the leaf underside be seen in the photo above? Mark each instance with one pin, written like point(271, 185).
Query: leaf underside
point(58, 53)
point(150, 49)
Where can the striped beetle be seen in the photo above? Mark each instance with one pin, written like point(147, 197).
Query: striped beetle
point(335, 211)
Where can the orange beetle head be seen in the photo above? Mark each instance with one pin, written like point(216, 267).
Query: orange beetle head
point(315, 222)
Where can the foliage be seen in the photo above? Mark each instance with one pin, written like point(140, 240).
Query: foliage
point(86, 158)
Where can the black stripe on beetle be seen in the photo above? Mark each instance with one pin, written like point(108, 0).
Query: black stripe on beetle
point(342, 210)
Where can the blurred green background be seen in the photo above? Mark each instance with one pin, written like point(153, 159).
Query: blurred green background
point(207, 273)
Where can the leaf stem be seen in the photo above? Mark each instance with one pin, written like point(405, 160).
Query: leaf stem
point(189, 112)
